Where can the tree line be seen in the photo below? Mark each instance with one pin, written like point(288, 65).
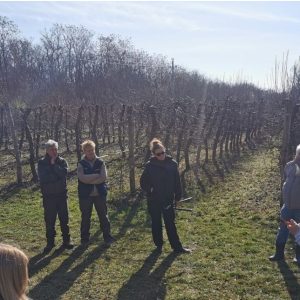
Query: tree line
point(73, 85)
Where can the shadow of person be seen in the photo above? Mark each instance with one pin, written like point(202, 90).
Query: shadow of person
point(41, 260)
point(145, 284)
point(60, 280)
point(55, 284)
point(290, 279)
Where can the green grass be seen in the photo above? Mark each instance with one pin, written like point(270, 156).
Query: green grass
point(231, 233)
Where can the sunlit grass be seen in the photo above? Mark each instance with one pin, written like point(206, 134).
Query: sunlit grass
point(231, 232)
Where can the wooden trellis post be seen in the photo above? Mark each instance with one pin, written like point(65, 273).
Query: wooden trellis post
point(131, 150)
point(12, 130)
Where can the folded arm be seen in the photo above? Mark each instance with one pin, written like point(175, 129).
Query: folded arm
point(92, 178)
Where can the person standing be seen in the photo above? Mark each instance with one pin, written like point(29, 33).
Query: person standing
point(52, 171)
point(290, 208)
point(161, 181)
point(92, 191)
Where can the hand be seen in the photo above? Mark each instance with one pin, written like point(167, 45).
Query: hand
point(292, 226)
point(52, 160)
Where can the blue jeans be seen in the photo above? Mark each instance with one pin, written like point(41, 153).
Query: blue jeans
point(286, 214)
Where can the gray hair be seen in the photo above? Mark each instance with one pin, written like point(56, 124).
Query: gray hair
point(298, 150)
point(51, 143)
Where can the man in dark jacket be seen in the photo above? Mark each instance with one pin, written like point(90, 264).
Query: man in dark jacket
point(52, 170)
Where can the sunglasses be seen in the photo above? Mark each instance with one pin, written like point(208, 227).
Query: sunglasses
point(160, 153)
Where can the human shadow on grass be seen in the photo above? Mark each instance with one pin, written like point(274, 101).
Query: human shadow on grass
point(55, 284)
point(41, 260)
point(290, 279)
point(145, 284)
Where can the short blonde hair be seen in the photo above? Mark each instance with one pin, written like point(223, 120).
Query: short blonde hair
point(87, 144)
point(13, 273)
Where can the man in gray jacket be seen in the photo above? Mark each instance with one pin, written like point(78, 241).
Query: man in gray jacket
point(52, 170)
point(290, 208)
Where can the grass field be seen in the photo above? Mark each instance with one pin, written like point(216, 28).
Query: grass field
point(231, 232)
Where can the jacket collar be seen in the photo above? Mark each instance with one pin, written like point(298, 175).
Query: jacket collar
point(154, 161)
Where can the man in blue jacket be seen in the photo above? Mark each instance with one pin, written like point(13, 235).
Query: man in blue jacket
point(52, 171)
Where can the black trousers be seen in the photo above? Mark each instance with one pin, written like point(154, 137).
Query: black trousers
point(86, 207)
point(56, 205)
point(156, 213)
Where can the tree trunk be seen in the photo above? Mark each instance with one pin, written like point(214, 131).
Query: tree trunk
point(11, 125)
point(58, 122)
point(94, 129)
point(25, 116)
point(78, 132)
point(121, 131)
point(131, 150)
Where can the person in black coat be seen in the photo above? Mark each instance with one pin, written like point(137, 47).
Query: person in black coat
point(52, 171)
point(161, 182)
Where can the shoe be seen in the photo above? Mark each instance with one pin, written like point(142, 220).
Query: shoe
point(277, 257)
point(68, 245)
point(48, 248)
point(182, 250)
point(109, 240)
point(279, 254)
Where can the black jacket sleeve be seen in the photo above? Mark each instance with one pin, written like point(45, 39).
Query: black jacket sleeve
point(145, 180)
point(61, 168)
point(178, 189)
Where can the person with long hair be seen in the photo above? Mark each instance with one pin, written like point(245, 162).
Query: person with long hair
point(161, 181)
point(13, 273)
point(291, 207)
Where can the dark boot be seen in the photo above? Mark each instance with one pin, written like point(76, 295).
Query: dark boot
point(67, 243)
point(297, 254)
point(279, 254)
point(49, 246)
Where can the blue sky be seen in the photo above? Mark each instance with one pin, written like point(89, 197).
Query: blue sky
point(222, 40)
